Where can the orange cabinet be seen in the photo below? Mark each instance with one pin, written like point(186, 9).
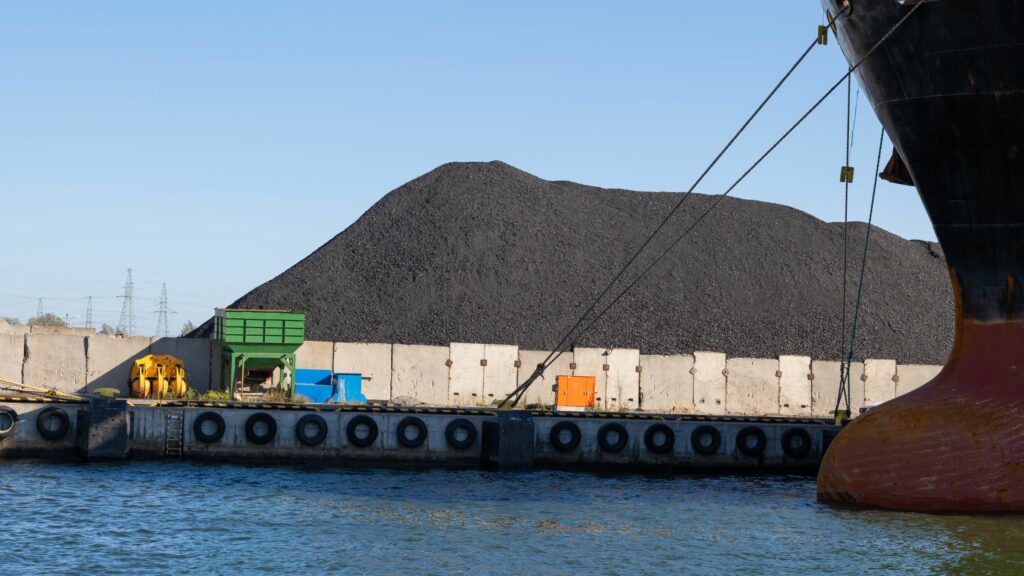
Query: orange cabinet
point(575, 392)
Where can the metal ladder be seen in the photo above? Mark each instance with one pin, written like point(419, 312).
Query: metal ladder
point(174, 437)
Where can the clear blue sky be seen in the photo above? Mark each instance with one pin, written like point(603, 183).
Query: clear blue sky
point(211, 144)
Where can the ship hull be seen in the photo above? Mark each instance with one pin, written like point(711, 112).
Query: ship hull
point(948, 86)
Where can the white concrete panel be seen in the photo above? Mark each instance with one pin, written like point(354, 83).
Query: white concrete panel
point(542, 390)
point(466, 374)
point(622, 381)
point(196, 353)
point(315, 355)
point(880, 385)
point(420, 372)
point(666, 384)
point(500, 374)
point(709, 382)
point(752, 388)
point(12, 353)
point(590, 362)
point(373, 361)
point(825, 387)
point(912, 376)
point(109, 360)
point(795, 386)
point(55, 361)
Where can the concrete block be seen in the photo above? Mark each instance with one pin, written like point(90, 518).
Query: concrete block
point(541, 392)
point(752, 387)
point(500, 374)
point(709, 382)
point(420, 372)
point(14, 329)
point(55, 361)
point(795, 386)
point(466, 374)
point(12, 354)
point(201, 364)
point(315, 355)
point(880, 385)
point(590, 362)
point(108, 360)
point(622, 381)
point(373, 361)
point(825, 387)
point(912, 376)
point(666, 384)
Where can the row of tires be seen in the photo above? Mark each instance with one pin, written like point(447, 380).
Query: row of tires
point(51, 423)
point(706, 440)
point(311, 430)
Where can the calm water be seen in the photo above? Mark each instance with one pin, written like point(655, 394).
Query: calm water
point(181, 518)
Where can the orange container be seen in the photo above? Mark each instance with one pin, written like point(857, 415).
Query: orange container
point(575, 392)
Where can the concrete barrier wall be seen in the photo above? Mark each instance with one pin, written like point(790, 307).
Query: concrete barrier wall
point(622, 379)
point(481, 374)
point(373, 361)
point(752, 386)
point(501, 373)
point(709, 382)
point(666, 383)
point(911, 376)
point(55, 361)
point(12, 356)
point(108, 360)
point(420, 372)
point(795, 385)
point(541, 391)
point(201, 358)
point(466, 374)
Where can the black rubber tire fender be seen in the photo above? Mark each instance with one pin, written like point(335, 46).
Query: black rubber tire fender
point(202, 435)
point(421, 432)
point(355, 439)
point(453, 428)
point(666, 446)
point(746, 449)
point(6, 413)
point(555, 436)
point(63, 423)
point(250, 428)
point(619, 444)
point(311, 439)
point(793, 450)
point(712, 447)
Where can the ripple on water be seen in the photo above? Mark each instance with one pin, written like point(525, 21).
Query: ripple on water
point(161, 518)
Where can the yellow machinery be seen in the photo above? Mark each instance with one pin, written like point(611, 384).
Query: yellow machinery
point(158, 376)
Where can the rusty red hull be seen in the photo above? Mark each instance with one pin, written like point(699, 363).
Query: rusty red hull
point(948, 86)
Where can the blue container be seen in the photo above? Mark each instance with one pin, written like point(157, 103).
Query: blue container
point(351, 387)
point(310, 376)
point(317, 385)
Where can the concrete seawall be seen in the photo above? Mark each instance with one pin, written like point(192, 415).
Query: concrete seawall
point(475, 374)
point(102, 429)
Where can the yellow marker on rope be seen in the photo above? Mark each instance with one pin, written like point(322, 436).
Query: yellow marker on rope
point(822, 35)
point(846, 174)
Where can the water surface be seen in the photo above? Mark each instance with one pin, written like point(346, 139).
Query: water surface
point(180, 518)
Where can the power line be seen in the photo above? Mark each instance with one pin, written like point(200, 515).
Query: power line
point(162, 312)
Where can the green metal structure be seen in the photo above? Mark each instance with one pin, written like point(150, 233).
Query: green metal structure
point(258, 340)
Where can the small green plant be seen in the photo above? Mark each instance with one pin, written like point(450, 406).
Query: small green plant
point(209, 396)
point(277, 395)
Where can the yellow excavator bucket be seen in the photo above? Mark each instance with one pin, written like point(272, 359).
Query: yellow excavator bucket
point(158, 376)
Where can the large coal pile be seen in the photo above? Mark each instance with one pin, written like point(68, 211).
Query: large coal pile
point(483, 252)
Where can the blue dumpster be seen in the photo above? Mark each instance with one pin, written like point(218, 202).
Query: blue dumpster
point(351, 387)
point(317, 385)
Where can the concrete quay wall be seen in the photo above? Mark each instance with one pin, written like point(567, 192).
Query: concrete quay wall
point(476, 374)
point(102, 429)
